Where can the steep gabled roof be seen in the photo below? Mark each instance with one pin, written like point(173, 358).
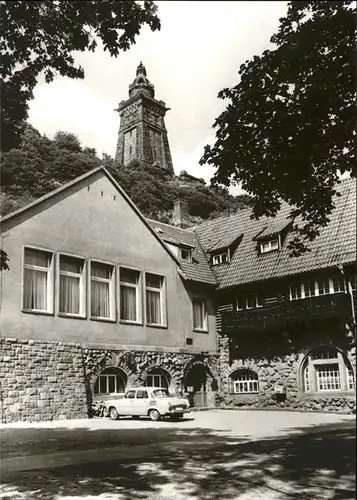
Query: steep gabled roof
point(40, 204)
point(335, 245)
point(197, 270)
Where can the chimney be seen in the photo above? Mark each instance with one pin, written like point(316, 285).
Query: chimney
point(180, 215)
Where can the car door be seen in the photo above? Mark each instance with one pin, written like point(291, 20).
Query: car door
point(141, 402)
point(126, 405)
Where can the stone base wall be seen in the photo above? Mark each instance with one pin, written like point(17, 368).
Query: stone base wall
point(282, 366)
point(43, 380)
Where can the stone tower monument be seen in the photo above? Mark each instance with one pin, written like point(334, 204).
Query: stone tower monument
point(142, 132)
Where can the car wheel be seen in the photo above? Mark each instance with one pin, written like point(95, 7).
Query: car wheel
point(113, 413)
point(154, 415)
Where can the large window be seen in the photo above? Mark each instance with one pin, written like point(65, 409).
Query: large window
point(243, 382)
point(155, 299)
point(199, 314)
point(130, 295)
point(102, 290)
point(327, 370)
point(71, 285)
point(250, 301)
point(313, 288)
point(110, 381)
point(157, 378)
point(38, 280)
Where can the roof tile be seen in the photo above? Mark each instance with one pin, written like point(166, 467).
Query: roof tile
point(335, 245)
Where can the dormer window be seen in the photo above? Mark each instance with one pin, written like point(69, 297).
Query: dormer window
point(269, 245)
point(220, 258)
point(185, 254)
point(272, 236)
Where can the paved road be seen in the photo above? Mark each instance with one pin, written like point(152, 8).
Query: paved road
point(244, 455)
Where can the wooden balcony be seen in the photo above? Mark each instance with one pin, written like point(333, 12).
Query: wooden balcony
point(335, 306)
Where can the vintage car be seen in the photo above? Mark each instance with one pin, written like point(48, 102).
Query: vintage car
point(155, 402)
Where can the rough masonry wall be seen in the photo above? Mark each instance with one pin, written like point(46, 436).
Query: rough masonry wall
point(137, 364)
point(281, 368)
point(41, 380)
point(129, 147)
point(46, 380)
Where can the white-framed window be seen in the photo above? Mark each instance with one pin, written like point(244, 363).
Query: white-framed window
point(313, 288)
point(350, 379)
point(326, 369)
point(338, 284)
point(220, 258)
point(130, 295)
point(157, 378)
point(309, 289)
point(296, 291)
point(249, 301)
point(72, 285)
point(269, 245)
point(38, 279)
point(324, 286)
point(102, 290)
point(243, 382)
point(155, 299)
point(110, 381)
point(199, 314)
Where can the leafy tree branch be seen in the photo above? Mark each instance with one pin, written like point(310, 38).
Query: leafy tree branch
point(289, 129)
point(41, 36)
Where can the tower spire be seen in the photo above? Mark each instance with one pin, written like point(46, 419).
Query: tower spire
point(142, 133)
point(141, 84)
point(141, 70)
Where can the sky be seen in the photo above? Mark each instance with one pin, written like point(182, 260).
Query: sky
point(197, 52)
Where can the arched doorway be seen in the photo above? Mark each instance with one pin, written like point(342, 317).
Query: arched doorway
point(199, 385)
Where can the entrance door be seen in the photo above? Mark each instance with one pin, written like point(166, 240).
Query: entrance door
point(196, 386)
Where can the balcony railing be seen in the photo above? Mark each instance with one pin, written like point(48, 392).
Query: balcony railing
point(324, 306)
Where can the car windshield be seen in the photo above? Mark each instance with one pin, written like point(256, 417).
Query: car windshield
point(160, 393)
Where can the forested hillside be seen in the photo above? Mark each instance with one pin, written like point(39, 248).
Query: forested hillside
point(41, 165)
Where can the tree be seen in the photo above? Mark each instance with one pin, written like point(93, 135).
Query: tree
point(289, 128)
point(40, 36)
point(40, 165)
point(148, 186)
